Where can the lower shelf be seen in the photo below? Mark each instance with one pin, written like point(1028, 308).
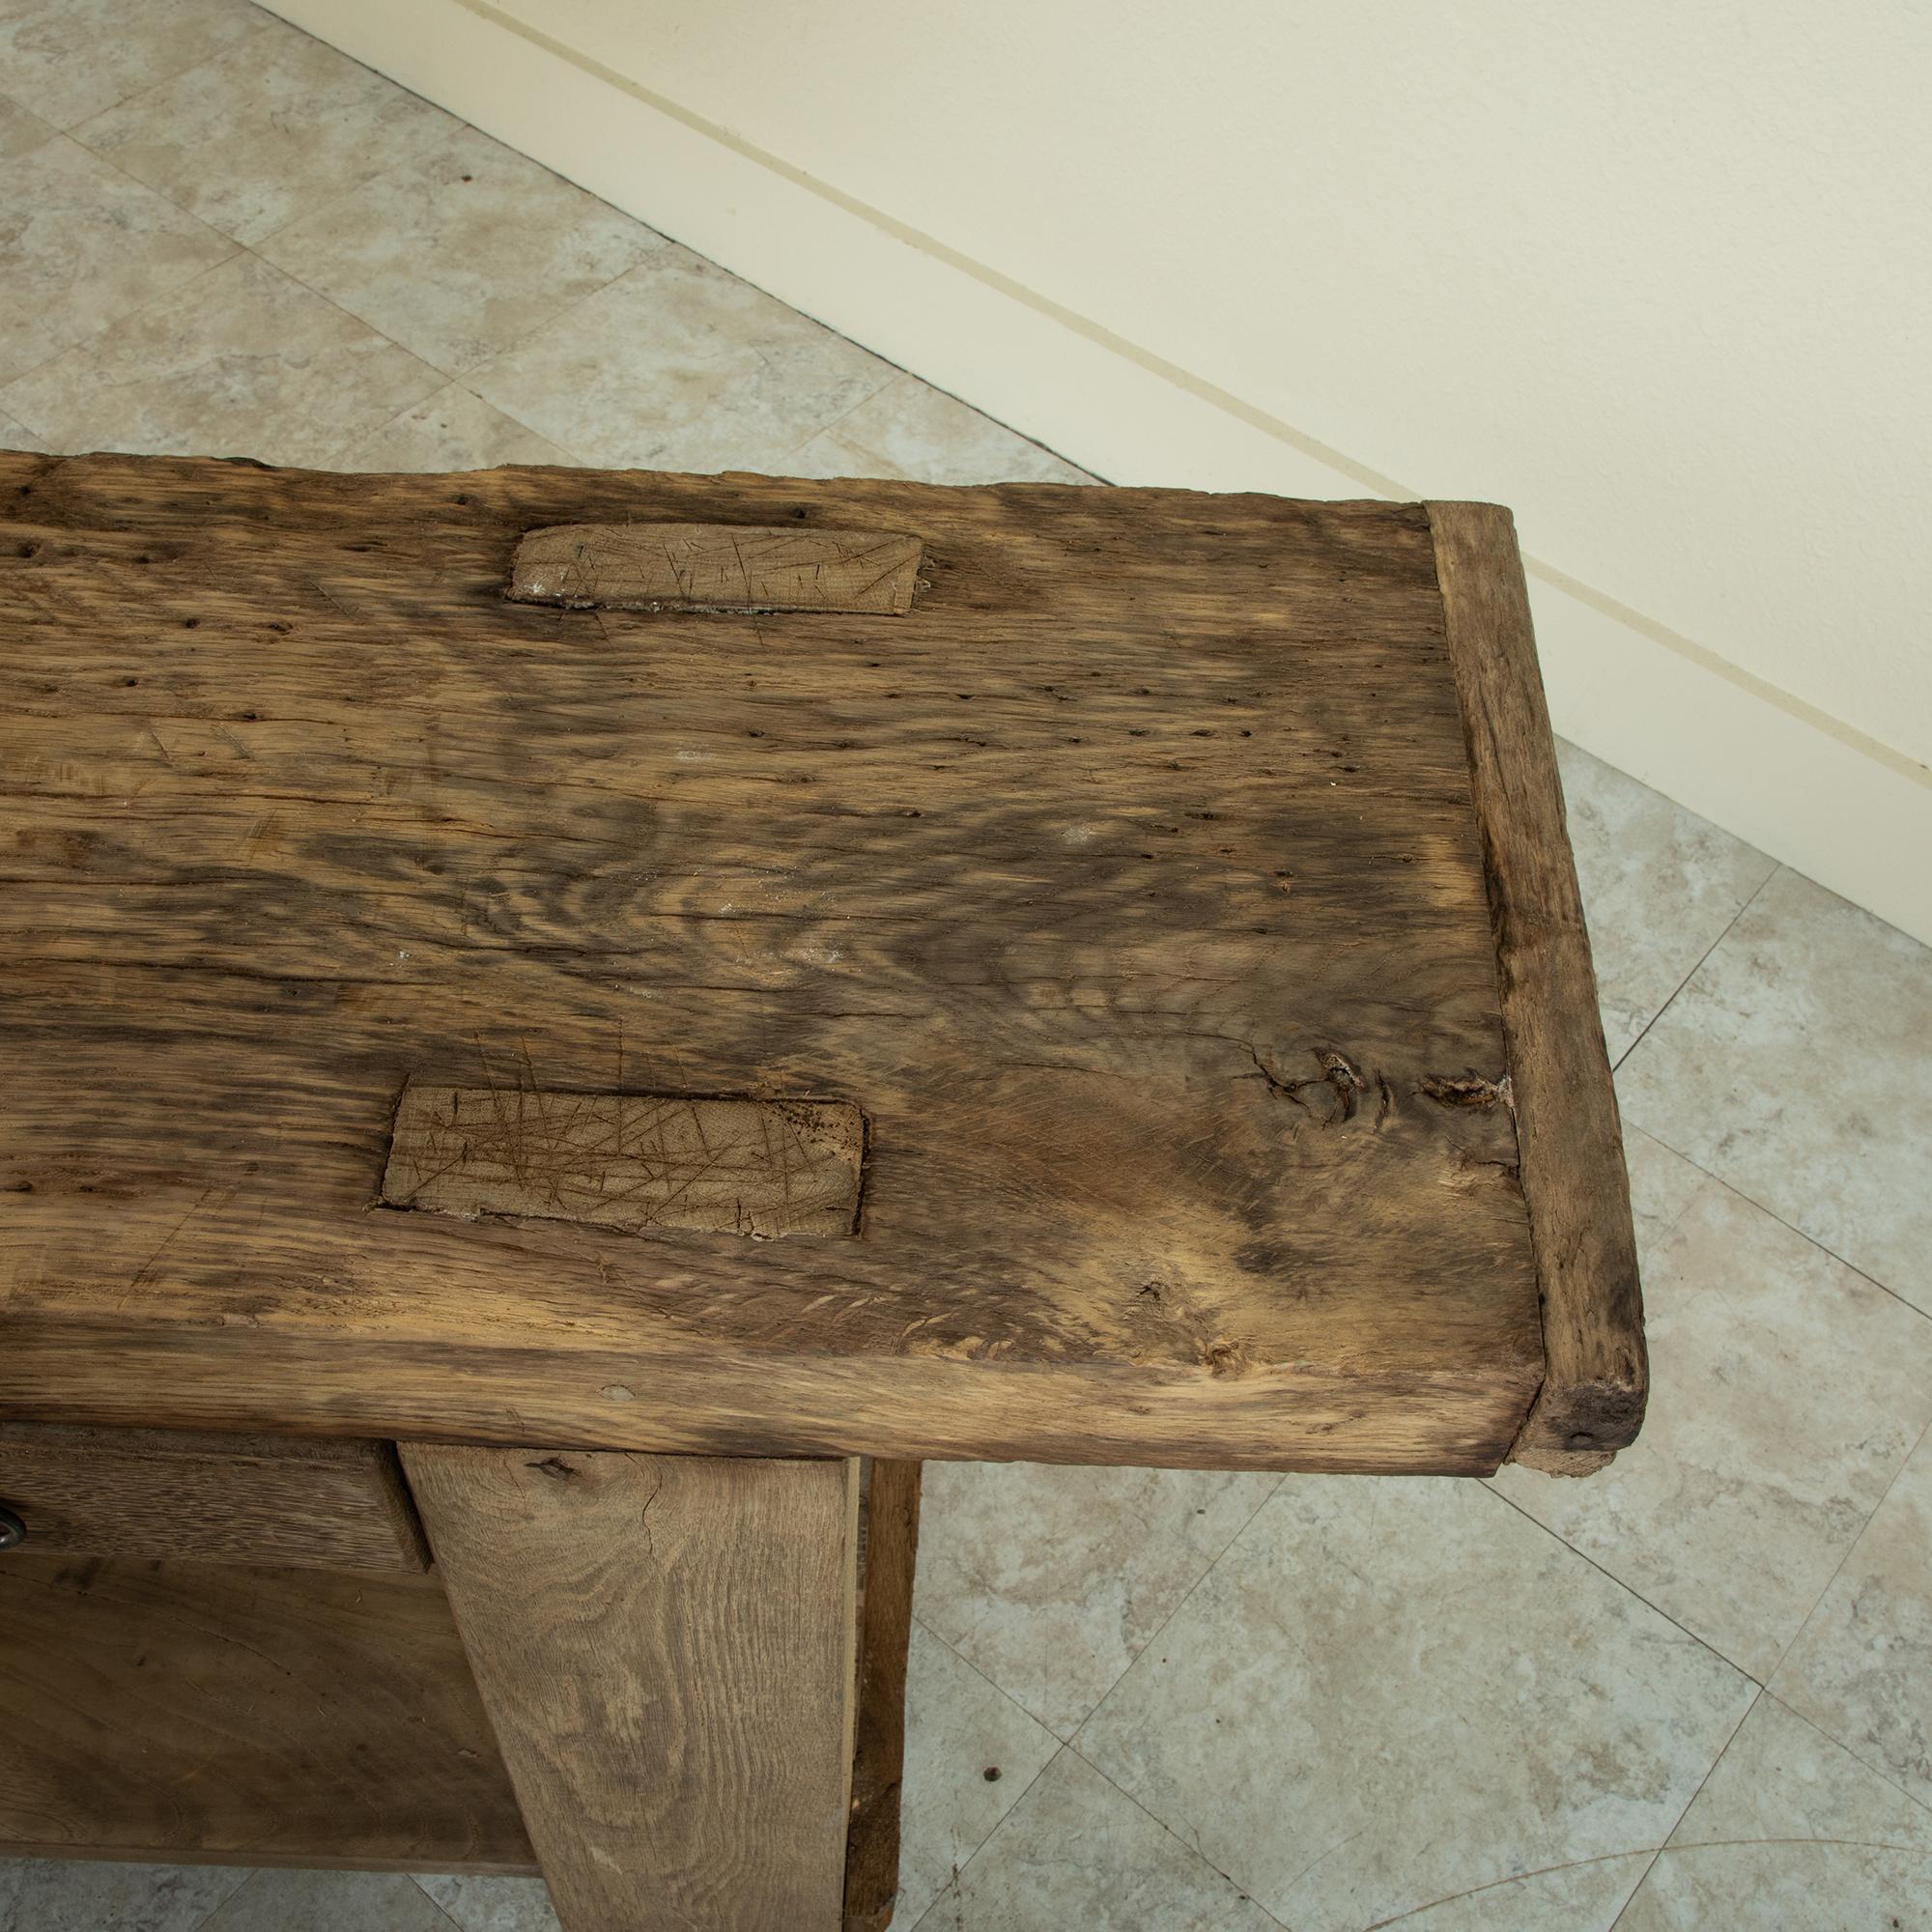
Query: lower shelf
point(209, 1713)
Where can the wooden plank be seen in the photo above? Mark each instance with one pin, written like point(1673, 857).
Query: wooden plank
point(212, 1714)
point(169, 1494)
point(885, 1632)
point(1130, 884)
point(665, 1645)
point(629, 1161)
point(717, 567)
point(1597, 1377)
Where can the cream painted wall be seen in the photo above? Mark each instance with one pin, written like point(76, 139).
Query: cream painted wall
point(1655, 276)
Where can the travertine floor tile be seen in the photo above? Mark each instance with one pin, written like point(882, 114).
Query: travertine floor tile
point(914, 431)
point(17, 436)
point(98, 1895)
point(970, 1753)
point(1051, 1580)
point(494, 1904)
point(680, 366)
point(82, 246)
point(453, 430)
point(19, 130)
point(265, 131)
point(1796, 1065)
point(67, 59)
point(1391, 1692)
point(459, 255)
point(1076, 1852)
point(1786, 1391)
point(1791, 1833)
point(329, 1901)
point(1862, 1668)
point(1660, 887)
point(241, 362)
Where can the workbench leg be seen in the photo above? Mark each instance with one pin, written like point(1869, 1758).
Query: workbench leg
point(664, 1645)
point(885, 1632)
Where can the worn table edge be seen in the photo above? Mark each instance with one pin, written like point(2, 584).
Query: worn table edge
point(932, 1411)
point(1596, 1372)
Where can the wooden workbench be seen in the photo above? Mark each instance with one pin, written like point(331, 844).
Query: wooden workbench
point(673, 999)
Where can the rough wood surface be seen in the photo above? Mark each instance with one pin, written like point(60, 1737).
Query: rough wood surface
point(338, 1505)
point(211, 1714)
point(717, 567)
point(1129, 885)
point(890, 1552)
point(1597, 1375)
point(664, 1645)
point(636, 1161)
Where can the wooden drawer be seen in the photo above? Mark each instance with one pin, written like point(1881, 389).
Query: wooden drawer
point(321, 1503)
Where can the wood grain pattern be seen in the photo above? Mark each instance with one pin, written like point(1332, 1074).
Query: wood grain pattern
point(665, 1646)
point(1597, 1377)
point(717, 567)
point(338, 1505)
point(636, 1161)
point(891, 1549)
point(1130, 883)
point(214, 1714)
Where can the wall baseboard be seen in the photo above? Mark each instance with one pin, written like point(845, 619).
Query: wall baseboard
point(1801, 787)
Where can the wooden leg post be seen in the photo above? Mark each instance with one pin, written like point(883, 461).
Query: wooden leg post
point(885, 1630)
point(664, 1645)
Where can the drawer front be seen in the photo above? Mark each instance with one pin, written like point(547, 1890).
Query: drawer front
point(206, 1498)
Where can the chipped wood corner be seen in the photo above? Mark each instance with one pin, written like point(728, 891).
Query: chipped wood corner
point(719, 567)
point(1596, 1370)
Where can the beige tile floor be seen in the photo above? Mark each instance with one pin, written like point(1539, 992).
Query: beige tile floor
point(1693, 1693)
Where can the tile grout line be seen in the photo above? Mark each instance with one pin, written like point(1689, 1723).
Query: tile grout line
point(1158, 1630)
point(1722, 1753)
point(1851, 1550)
point(959, 1870)
point(1062, 1744)
point(1161, 1628)
point(329, 201)
point(1877, 1771)
point(1777, 866)
point(136, 93)
point(238, 246)
point(1066, 1749)
point(947, 1644)
point(1487, 1485)
point(1810, 1241)
point(845, 415)
point(249, 1877)
point(235, 248)
point(1194, 1850)
point(449, 1918)
point(669, 241)
point(263, 19)
point(1731, 1186)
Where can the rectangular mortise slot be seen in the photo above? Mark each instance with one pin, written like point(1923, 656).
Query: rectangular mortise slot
point(634, 1162)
